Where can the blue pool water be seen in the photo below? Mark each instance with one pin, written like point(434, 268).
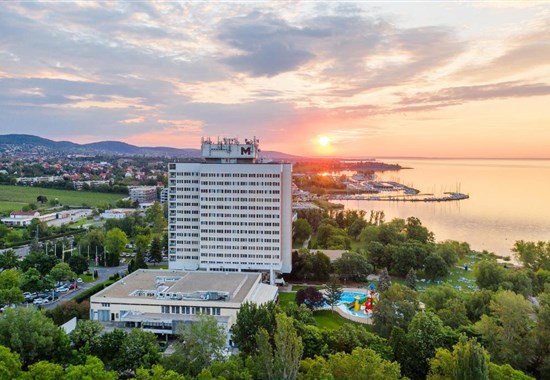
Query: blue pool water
point(348, 297)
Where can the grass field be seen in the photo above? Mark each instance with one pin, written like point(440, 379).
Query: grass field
point(286, 298)
point(15, 197)
point(329, 320)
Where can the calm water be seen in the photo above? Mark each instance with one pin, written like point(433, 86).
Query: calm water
point(509, 200)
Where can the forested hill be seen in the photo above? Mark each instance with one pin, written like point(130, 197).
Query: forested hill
point(111, 147)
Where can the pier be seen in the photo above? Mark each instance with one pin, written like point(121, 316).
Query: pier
point(448, 197)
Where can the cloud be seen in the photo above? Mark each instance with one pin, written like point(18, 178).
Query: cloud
point(267, 45)
point(521, 53)
point(135, 120)
point(457, 95)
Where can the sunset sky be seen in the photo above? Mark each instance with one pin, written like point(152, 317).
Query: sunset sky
point(429, 79)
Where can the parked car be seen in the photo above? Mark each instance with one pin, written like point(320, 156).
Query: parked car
point(29, 297)
point(4, 307)
point(79, 280)
point(73, 286)
point(62, 289)
point(38, 301)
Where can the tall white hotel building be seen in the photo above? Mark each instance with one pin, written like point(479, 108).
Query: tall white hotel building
point(230, 212)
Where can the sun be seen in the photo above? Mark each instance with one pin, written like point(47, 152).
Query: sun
point(324, 140)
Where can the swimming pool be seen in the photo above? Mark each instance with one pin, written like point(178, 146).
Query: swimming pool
point(349, 297)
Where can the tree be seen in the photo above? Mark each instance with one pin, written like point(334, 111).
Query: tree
point(307, 265)
point(415, 231)
point(410, 280)
point(142, 244)
point(44, 370)
point(353, 266)
point(384, 280)
point(62, 272)
point(489, 274)
point(333, 292)
point(39, 261)
point(10, 293)
point(468, 360)
point(115, 241)
point(361, 364)
point(109, 347)
point(33, 281)
point(414, 349)
point(541, 333)
point(234, 368)
point(507, 334)
point(250, 318)
point(32, 335)
point(379, 255)
point(450, 252)
point(348, 337)
point(435, 267)
point(200, 343)
point(92, 369)
point(300, 313)
point(42, 199)
point(85, 337)
point(310, 297)
point(138, 349)
point(10, 365)
point(354, 230)
point(69, 310)
point(396, 307)
point(9, 259)
point(454, 313)
point(155, 216)
point(155, 254)
point(477, 304)
point(157, 372)
point(94, 239)
point(301, 230)
point(78, 264)
point(282, 360)
point(533, 255)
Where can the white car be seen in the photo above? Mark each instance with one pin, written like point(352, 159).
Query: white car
point(62, 289)
point(79, 280)
point(38, 301)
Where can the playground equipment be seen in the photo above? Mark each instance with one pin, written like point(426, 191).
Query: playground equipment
point(357, 305)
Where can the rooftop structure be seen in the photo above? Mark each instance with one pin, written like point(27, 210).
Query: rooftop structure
point(230, 150)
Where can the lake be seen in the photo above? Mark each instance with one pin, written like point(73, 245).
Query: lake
point(509, 200)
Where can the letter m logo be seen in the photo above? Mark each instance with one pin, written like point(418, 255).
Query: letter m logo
point(246, 151)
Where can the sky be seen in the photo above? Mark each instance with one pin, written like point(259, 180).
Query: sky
point(314, 78)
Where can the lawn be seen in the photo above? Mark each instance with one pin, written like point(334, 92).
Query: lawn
point(458, 277)
point(15, 197)
point(328, 320)
point(286, 298)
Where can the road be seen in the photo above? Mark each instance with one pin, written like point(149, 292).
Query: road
point(24, 250)
point(104, 274)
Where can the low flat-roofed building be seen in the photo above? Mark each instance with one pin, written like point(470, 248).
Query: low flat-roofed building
point(159, 300)
point(117, 213)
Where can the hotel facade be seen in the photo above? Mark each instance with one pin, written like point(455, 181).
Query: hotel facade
point(231, 212)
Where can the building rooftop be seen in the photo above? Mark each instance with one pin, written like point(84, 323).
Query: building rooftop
point(190, 286)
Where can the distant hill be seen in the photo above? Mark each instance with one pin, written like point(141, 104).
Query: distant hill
point(116, 148)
